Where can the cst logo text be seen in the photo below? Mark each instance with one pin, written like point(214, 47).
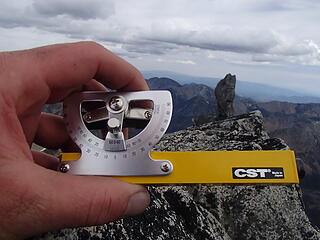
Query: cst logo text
point(257, 173)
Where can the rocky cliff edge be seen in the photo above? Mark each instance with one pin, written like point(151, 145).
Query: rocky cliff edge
point(206, 211)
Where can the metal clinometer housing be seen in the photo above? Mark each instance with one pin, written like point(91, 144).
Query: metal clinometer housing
point(115, 155)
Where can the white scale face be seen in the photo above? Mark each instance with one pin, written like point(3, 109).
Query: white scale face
point(134, 160)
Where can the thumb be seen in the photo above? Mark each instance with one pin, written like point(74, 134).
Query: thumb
point(87, 200)
point(71, 201)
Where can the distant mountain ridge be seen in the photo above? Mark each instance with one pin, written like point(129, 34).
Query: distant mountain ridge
point(256, 91)
point(189, 100)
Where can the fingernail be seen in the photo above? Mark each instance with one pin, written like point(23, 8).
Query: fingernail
point(137, 203)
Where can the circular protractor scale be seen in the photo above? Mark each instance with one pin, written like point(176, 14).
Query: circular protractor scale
point(114, 155)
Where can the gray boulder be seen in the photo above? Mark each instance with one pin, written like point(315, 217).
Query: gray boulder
point(207, 211)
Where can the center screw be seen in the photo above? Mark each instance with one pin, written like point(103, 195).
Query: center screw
point(116, 103)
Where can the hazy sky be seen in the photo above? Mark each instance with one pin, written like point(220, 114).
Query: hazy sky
point(267, 41)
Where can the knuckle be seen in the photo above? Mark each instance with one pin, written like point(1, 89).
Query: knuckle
point(91, 45)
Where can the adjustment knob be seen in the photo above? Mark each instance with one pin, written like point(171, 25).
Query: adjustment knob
point(114, 125)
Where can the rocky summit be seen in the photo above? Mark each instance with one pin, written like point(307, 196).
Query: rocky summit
point(207, 211)
point(296, 123)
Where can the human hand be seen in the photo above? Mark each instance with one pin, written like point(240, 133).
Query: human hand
point(33, 198)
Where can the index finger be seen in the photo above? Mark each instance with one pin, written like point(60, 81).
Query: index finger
point(69, 65)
